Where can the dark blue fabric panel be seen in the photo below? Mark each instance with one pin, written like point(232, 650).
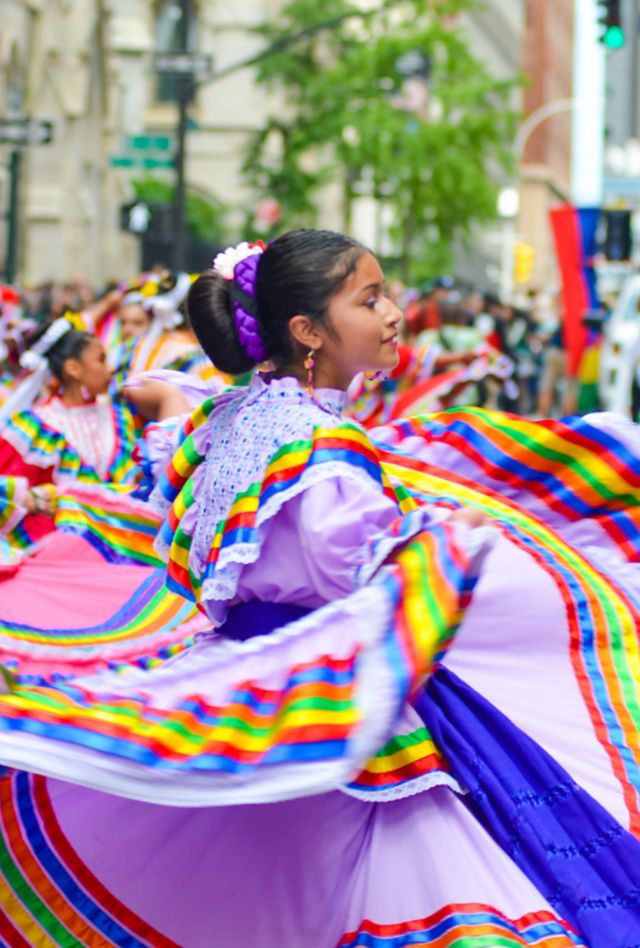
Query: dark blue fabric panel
point(247, 619)
point(578, 856)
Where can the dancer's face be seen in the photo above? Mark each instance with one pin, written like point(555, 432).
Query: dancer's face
point(363, 331)
point(134, 321)
point(93, 371)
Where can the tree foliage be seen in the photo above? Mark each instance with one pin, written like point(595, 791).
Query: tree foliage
point(205, 215)
point(343, 121)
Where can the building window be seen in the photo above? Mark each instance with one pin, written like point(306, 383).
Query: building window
point(168, 39)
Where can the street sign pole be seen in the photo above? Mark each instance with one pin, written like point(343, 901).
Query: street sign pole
point(18, 131)
point(184, 66)
point(185, 92)
point(12, 215)
point(179, 224)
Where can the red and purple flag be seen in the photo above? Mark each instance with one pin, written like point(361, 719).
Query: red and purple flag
point(574, 232)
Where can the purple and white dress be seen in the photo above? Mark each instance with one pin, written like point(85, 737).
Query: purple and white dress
point(400, 730)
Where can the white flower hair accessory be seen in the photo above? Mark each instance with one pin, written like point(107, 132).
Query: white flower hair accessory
point(35, 360)
point(164, 307)
point(226, 261)
point(239, 265)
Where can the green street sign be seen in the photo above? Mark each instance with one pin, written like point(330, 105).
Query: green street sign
point(157, 163)
point(148, 142)
point(139, 161)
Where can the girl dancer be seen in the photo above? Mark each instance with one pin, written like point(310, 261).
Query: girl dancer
point(428, 731)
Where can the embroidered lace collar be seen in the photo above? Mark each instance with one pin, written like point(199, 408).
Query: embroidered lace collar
point(266, 385)
point(243, 433)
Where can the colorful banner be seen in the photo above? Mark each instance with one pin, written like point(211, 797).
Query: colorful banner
point(574, 233)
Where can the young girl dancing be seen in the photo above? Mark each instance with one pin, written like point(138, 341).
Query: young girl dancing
point(415, 717)
point(80, 585)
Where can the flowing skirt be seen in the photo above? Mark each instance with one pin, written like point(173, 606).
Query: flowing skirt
point(66, 611)
point(370, 774)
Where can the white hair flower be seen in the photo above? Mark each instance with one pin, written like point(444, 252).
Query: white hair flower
point(33, 361)
point(226, 262)
point(34, 358)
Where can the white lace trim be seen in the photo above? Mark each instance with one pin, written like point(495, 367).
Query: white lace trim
point(90, 433)
point(245, 435)
point(240, 438)
point(229, 566)
point(411, 788)
point(377, 695)
point(377, 704)
point(18, 442)
point(128, 649)
point(424, 517)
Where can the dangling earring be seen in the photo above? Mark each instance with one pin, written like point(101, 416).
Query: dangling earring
point(85, 393)
point(310, 364)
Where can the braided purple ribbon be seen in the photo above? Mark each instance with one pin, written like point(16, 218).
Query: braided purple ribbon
point(245, 275)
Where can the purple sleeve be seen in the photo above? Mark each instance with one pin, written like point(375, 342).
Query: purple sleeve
point(317, 541)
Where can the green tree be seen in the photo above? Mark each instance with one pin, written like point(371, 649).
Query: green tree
point(205, 215)
point(346, 119)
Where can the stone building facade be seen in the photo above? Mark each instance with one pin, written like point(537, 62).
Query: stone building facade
point(88, 66)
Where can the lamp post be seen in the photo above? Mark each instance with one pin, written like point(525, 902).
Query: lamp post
point(536, 118)
point(16, 98)
point(508, 201)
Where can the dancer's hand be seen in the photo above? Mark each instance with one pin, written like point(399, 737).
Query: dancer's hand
point(42, 500)
point(470, 516)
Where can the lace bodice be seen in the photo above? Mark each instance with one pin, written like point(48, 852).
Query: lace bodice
point(88, 428)
point(247, 430)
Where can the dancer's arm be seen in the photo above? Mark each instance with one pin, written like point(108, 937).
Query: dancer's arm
point(156, 400)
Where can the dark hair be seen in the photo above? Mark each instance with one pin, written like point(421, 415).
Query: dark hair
point(491, 300)
point(452, 314)
point(70, 346)
point(298, 273)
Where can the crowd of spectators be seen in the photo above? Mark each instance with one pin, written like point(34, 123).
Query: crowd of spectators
point(443, 312)
point(459, 318)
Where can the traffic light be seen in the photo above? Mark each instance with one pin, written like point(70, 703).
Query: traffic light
point(141, 218)
point(617, 234)
point(610, 19)
point(524, 258)
point(135, 217)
